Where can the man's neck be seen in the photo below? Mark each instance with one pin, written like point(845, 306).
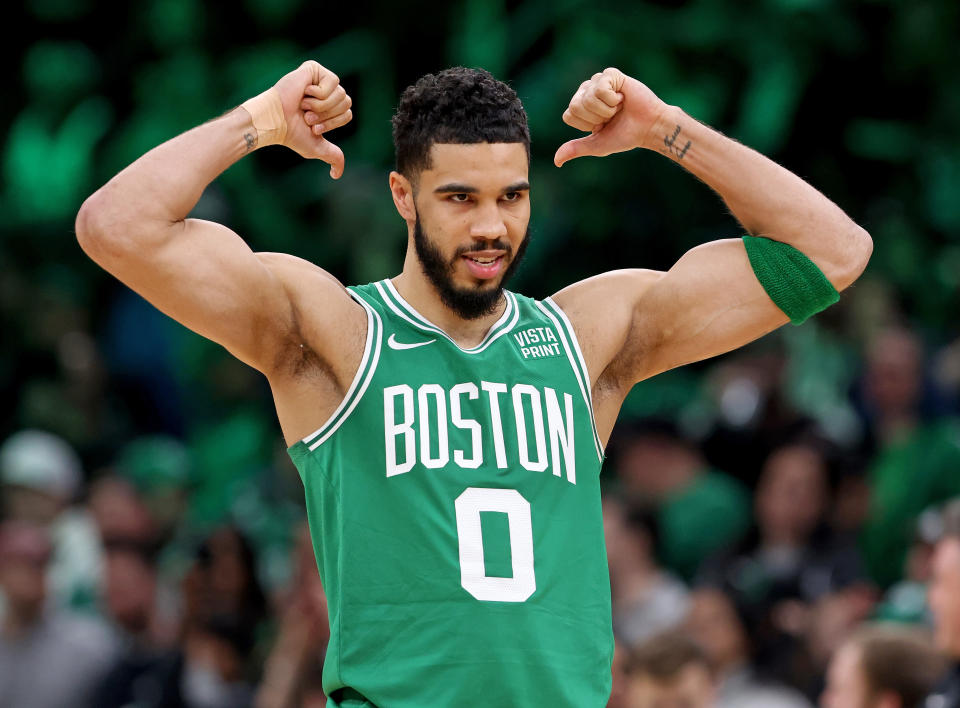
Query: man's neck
point(414, 287)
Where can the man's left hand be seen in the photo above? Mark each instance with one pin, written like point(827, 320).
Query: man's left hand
point(618, 112)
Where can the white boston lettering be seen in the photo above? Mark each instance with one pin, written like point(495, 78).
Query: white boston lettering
point(427, 424)
point(456, 417)
point(561, 434)
point(418, 427)
point(392, 429)
point(494, 390)
point(519, 391)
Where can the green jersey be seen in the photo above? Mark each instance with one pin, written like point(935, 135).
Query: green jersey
point(454, 506)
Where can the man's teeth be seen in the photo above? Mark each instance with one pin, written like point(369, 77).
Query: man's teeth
point(483, 261)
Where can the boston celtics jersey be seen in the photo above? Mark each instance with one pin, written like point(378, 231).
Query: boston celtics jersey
point(454, 505)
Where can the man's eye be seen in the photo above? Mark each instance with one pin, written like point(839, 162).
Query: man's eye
point(459, 197)
point(513, 196)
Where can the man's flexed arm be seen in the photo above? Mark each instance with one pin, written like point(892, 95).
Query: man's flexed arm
point(710, 301)
point(198, 272)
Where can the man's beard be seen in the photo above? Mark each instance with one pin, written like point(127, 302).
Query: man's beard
point(468, 303)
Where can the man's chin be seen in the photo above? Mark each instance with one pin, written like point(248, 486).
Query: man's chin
point(486, 284)
point(477, 286)
point(488, 288)
point(473, 299)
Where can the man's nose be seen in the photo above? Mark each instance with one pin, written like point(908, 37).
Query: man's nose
point(489, 224)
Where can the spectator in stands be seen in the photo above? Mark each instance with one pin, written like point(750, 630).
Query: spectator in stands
point(293, 670)
point(209, 671)
point(906, 600)
point(716, 625)
point(40, 478)
point(790, 554)
point(131, 594)
point(48, 658)
point(670, 669)
point(223, 581)
point(120, 512)
point(819, 630)
point(698, 510)
point(160, 469)
point(882, 667)
point(916, 460)
point(646, 599)
point(222, 614)
point(945, 606)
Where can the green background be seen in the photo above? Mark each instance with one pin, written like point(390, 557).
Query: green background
point(861, 98)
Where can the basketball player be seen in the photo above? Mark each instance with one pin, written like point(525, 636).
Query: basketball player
point(449, 433)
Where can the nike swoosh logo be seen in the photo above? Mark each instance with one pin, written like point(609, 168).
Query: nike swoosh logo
point(394, 344)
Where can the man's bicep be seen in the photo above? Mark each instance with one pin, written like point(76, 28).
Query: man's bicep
point(708, 303)
point(601, 309)
point(205, 276)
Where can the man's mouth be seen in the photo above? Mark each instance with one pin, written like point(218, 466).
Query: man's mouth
point(484, 264)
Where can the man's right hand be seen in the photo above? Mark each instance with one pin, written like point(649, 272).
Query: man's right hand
point(312, 102)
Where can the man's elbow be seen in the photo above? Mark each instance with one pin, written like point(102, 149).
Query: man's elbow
point(859, 247)
point(100, 230)
point(86, 226)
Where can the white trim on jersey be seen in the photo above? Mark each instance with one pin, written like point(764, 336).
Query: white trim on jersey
point(360, 381)
point(395, 301)
point(582, 375)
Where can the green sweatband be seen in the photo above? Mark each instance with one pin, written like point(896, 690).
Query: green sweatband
point(792, 280)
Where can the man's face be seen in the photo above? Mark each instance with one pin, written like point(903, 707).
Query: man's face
point(791, 494)
point(130, 589)
point(846, 683)
point(473, 213)
point(713, 622)
point(944, 596)
point(691, 688)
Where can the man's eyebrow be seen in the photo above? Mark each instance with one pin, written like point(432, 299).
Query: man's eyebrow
point(458, 188)
point(455, 187)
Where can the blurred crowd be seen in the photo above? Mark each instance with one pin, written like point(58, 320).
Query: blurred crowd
point(762, 551)
point(778, 561)
point(101, 604)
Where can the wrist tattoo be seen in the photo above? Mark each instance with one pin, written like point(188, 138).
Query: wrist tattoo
point(251, 140)
point(673, 147)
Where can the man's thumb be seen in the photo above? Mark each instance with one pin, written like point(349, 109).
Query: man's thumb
point(575, 148)
point(332, 155)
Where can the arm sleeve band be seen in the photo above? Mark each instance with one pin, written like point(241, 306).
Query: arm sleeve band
point(794, 282)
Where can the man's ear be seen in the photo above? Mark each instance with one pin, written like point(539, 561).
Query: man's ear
point(402, 191)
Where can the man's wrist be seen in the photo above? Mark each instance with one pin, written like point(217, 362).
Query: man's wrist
point(268, 123)
point(668, 134)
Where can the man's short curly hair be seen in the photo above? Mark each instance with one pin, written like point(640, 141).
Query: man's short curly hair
point(457, 105)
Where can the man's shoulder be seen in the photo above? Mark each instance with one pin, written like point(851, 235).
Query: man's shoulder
point(292, 269)
point(619, 285)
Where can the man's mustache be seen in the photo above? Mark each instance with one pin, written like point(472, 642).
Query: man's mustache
point(491, 246)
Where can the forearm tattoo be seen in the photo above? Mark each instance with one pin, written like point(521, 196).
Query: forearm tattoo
point(673, 147)
point(251, 140)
